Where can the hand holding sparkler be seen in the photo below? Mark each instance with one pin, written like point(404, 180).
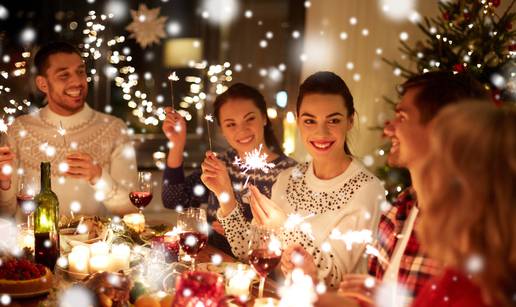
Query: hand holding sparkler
point(265, 211)
point(295, 256)
point(209, 119)
point(216, 178)
point(174, 128)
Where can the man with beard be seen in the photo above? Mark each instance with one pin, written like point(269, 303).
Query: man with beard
point(401, 262)
point(93, 160)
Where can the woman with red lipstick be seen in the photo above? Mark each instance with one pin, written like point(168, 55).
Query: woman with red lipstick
point(332, 192)
point(241, 113)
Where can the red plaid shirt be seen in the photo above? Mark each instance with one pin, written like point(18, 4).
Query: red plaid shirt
point(415, 267)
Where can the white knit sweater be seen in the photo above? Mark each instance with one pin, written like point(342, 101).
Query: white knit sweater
point(102, 136)
point(350, 201)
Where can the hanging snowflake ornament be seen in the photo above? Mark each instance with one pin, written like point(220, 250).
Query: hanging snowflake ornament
point(147, 27)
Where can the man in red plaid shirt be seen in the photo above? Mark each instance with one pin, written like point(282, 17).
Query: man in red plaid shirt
point(400, 259)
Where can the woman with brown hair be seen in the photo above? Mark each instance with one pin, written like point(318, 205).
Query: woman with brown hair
point(468, 206)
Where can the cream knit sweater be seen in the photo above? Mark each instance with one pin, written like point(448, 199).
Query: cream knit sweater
point(348, 202)
point(33, 137)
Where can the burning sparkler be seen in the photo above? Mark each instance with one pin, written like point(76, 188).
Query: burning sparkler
point(359, 237)
point(172, 77)
point(253, 160)
point(209, 119)
point(62, 131)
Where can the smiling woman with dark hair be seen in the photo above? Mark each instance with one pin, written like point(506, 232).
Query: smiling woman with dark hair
point(241, 113)
point(333, 192)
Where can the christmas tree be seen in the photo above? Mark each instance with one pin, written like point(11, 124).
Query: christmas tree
point(468, 37)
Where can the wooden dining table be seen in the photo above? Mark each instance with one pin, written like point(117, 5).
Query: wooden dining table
point(204, 256)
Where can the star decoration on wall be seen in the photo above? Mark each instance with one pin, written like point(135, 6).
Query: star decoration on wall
point(147, 27)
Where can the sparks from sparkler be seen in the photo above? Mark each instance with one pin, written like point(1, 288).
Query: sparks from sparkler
point(352, 237)
point(172, 77)
point(253, 160)
point(209, 119)
point(359, 237)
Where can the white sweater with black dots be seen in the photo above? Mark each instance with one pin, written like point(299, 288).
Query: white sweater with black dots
point(348, 202)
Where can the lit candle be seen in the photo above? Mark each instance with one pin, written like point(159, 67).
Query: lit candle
point(266, 302)
point(239, 281)
point(99, 263)
point(100, 248)
point(78, 262)
point(135, 221)
point(120, 255)
point(82, 250)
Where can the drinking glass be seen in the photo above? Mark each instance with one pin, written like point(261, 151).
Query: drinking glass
point(264, 251)
point(141, 194)
point(193, 234)
point(27, 190)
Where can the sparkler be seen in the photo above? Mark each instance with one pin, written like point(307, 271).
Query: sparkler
point(172, 77)
point(359, 237)
point(209, 119)
point(62, 131)
point(253, 160)
point(352, 237)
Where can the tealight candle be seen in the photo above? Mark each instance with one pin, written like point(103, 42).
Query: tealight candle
point(238, 285)
point(100, 248)
point(82, 250)
point(78, 262)
point(99, 263)
point(135, 221)
point(120, 255)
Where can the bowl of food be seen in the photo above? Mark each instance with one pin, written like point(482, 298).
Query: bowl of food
point(74, 231)
point(22, 278)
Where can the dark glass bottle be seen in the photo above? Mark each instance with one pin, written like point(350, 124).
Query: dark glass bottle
point(46, 222)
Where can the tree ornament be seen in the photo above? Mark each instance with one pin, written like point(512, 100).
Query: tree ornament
point(458, 68)
point(147, 27)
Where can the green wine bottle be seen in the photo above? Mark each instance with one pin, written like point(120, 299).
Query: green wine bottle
point(46, 222)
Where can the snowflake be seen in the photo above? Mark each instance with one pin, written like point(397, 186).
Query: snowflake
point(147, 27)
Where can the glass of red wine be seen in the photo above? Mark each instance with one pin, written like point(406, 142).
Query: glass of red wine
point(265, 251)
point(194, 232)
point(141, 194)
point(27, 190)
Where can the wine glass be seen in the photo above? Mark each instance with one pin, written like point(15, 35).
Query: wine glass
point(264, 251)
point(194, 232)
point(25, 194)
point(141, 194)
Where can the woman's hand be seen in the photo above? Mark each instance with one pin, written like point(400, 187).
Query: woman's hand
point(295, 256)
point(265, 211)
point(174, 128)
point(216, 178)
